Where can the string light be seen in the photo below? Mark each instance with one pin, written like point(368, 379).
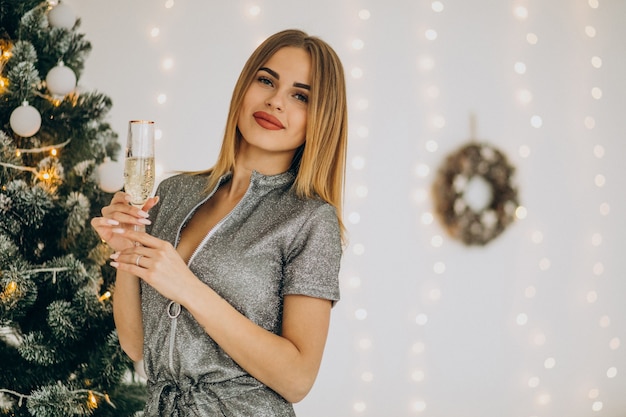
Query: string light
point(105, 296)
point(10, 291)
point(92, 402)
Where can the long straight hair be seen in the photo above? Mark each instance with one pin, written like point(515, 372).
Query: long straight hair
point(320, 162)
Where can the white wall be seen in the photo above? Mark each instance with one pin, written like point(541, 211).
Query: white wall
point(428, 329)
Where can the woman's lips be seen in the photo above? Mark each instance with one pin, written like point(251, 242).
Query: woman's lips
point(267, 121)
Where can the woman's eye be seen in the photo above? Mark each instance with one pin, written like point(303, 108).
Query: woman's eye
point(302, 97)
point(265, 80)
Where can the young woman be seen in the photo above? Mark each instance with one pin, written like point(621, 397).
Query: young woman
point(227, 295)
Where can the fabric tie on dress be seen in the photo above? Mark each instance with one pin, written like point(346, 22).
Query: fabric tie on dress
point(172, 399)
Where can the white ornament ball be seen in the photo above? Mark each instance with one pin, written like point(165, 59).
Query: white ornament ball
point(25, 120)
point(61, 80)
point(62, 16)
point(110, 176)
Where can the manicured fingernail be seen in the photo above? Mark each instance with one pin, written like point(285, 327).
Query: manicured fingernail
point(144, 221)
point(118, 230)
point(115, 264)
point(115, 255)
point(112, 222)
point(143, 213)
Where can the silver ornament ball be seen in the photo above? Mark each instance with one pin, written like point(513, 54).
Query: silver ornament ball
point(62, 16)
point(25, 120)
point(61, 80)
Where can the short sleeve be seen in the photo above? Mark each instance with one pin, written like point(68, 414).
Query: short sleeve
point(312, 265)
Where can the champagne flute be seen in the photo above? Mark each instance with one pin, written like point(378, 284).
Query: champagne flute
point(139, 163)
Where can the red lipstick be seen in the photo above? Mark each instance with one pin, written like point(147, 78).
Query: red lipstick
point(267, 121)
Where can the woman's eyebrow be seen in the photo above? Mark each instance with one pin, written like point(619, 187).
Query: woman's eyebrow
point(275, 75)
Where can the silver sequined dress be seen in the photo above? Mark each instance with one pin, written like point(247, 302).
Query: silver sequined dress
point(272, 244)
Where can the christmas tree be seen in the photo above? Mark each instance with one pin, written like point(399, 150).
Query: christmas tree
point(59, 352)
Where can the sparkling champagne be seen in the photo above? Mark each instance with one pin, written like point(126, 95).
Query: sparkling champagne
point(139, 179)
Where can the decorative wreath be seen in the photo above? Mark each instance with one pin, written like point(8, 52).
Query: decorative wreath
point(474, 195)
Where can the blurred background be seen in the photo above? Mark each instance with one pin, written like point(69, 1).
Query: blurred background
point(530, 324)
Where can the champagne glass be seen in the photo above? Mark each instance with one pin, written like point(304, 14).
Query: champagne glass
point(139, 163)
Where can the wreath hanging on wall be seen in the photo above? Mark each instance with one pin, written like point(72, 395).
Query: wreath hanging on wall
point(474, 195)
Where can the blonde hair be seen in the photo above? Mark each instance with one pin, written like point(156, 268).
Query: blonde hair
point(320, 162)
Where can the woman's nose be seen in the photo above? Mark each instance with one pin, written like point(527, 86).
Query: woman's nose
point(275, 101)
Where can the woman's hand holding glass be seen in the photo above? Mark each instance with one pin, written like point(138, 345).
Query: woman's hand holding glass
point(120, 215)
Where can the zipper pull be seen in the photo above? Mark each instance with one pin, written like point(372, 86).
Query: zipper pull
point(173, 309)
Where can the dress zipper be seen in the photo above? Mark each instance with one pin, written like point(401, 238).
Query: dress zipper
point(174, 309)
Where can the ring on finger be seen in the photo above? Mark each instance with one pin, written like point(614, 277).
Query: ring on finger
point(138, 259)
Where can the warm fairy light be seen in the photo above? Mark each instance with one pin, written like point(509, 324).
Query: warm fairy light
point(421, 319)
point(524, 96)
point(532, 39)
point(520, 68)
point(46, 176)
point(254, 11)
point(418, 348)
point(358, 44)
point(521, 12)
point(438, 121)
point(367, 376)
point(533, 382)
point(105, 296)
point(53, 152)
point(360, 314)
point(418, 375)
point(536, 121)
point(422, 170)
point(437, 6)
point(364, 14)
point(432, 146)
point(549, 363)
point(544, 399)
point(590, 31)
point(430, 34)
point(419, 405)
point(432, 91)
point(359, 406)
point(92, 402)
point(544, 264)
point(356, 72)
point(596, 62)
point(358, 163)
point(9, 290)
point(167, 64)
point(365, 343)
point(439, 267)
point(354, 281)
point(425, 63)
point(361, 191)
point(419, 195)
